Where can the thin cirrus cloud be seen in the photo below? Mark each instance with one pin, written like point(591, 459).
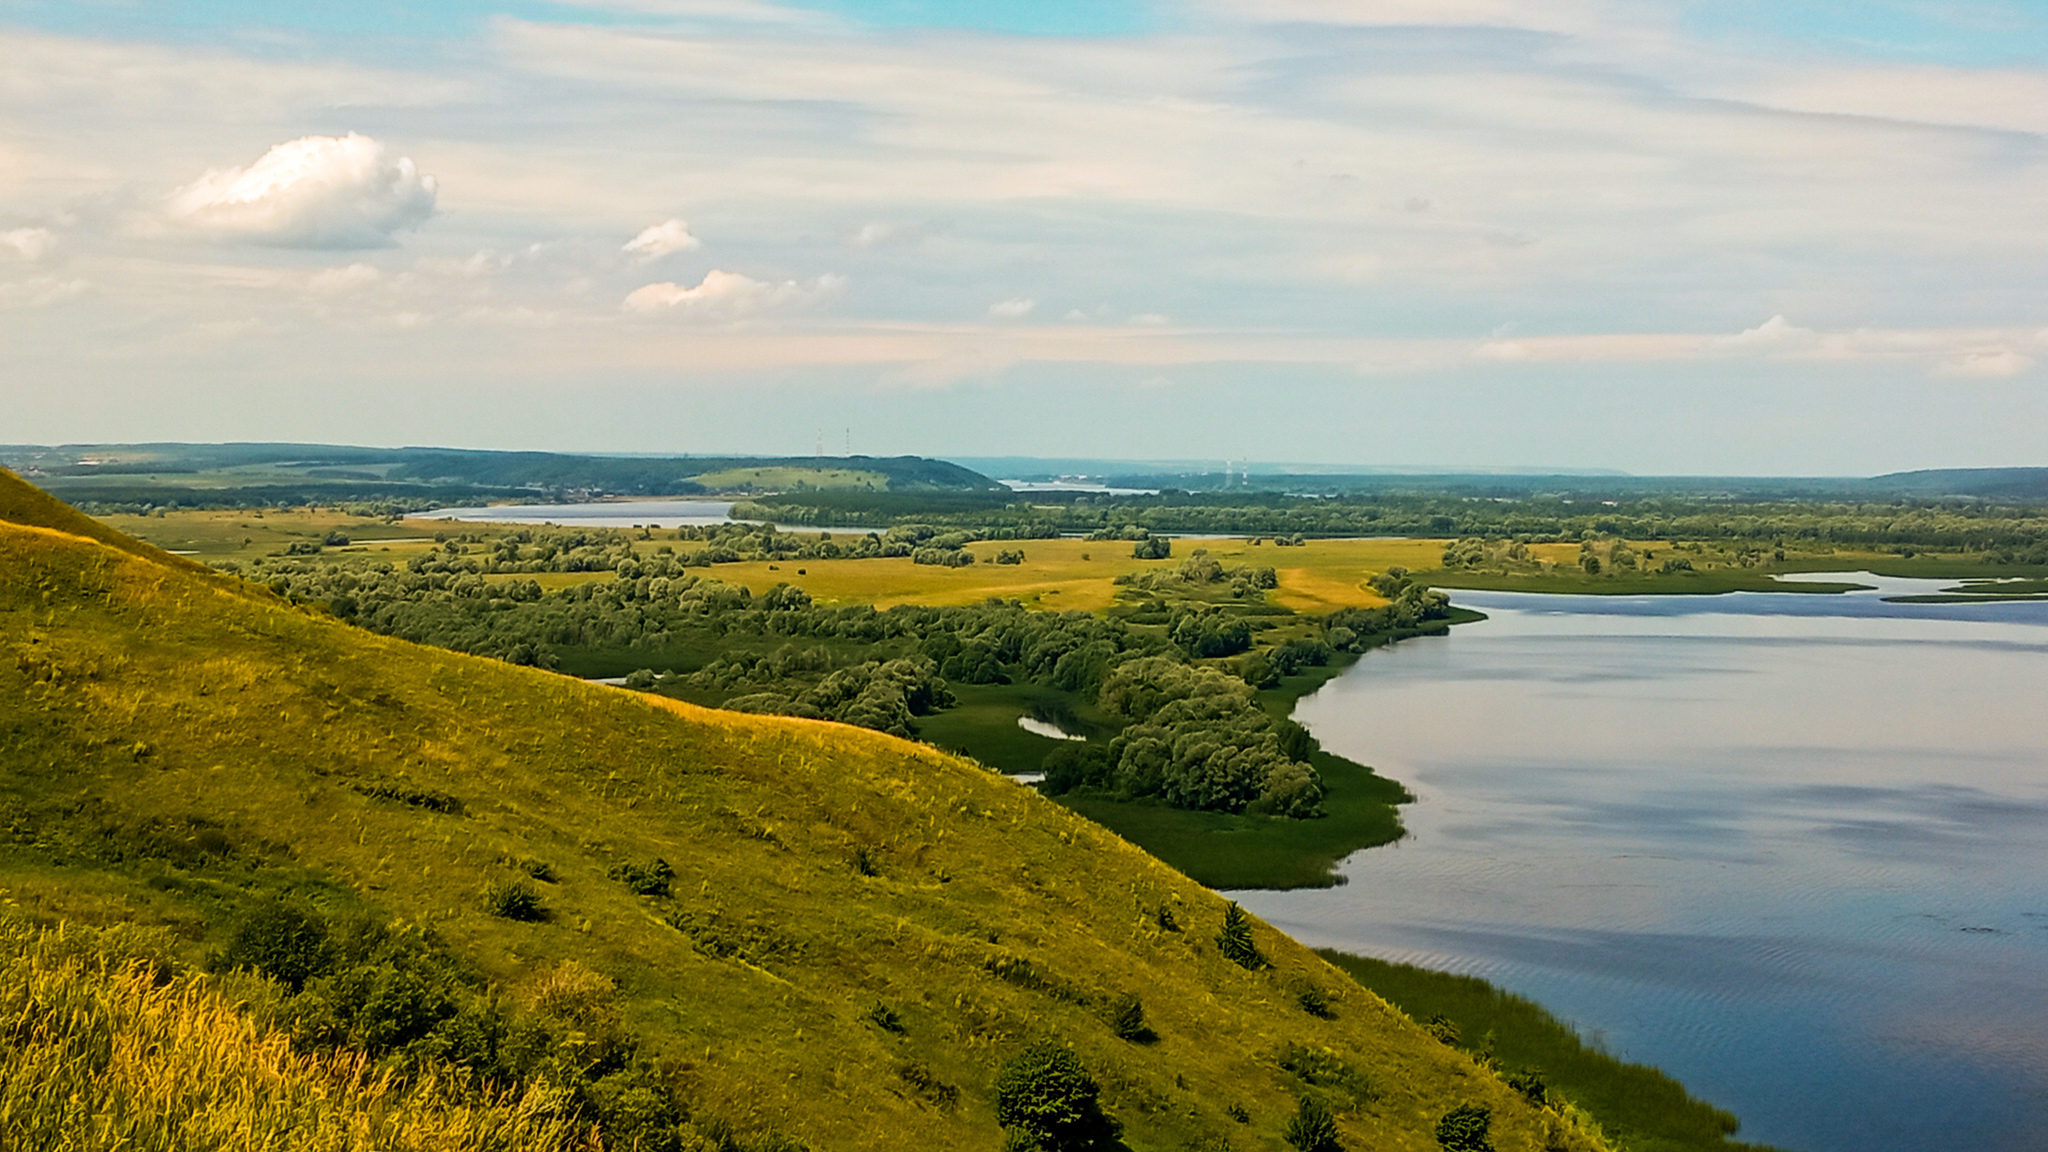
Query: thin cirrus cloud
point(339, 192)
point(658, 240)
point(729, 295)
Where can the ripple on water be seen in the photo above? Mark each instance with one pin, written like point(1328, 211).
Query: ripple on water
point(1784, 846)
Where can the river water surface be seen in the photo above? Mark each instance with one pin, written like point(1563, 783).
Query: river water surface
point(1793, 849)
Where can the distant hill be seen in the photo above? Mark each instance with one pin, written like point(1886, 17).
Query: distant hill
point(2019, 485)
point(710, 930)
point(195, 474)
point(2015, 484)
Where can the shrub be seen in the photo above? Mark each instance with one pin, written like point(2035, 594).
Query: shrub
point(1046, 1097)
point(884, 1017)
point(1313, 1129)
point(918, 1075)
point(426, 798)
point(1443, 1028)
point(287, 944)
point(514, 900)
point(1127, 1020)
point(1153, 548)
point(1324, 1069)
point(1465, 1129)
point(648, 880)
point(1236, 941)
point(1315, 1002)
point(1530, 1083)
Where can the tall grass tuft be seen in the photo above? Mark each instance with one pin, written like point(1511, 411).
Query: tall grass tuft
point(100, 1053)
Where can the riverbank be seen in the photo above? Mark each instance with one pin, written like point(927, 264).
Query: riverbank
point(1637, 1107)
point(1239, 851)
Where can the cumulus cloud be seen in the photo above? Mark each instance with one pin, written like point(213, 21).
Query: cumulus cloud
point(1015, 309)
point(729, 294)
point(659, 240)
point(26, 243)
point(1775, 334)
point(314, 192)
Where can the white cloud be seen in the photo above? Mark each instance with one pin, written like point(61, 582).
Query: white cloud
point(27, 243)
point(41, 292)
point(880, 233)
point(729, 294)
point(1151, 320)
point(313, 192)
point(1991, 364)
point(1013, 309)
point(659, 240)
point(1773, 335)
point(337, 281)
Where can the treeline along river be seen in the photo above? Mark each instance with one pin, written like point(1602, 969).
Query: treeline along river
point(1789, 848)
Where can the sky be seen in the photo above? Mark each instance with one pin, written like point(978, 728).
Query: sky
point(1664, 236)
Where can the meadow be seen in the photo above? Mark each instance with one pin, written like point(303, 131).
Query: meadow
point(702, 929)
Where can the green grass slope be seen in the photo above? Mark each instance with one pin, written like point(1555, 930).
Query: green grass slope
point(175, 749)
point(24, 504)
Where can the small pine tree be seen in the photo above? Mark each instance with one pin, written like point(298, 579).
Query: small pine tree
point(1466, 1128)
point(1236, 939)
point(1313, 1129)
point(1127, 1020)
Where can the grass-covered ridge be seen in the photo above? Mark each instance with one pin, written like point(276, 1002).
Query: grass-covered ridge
point(858, 933)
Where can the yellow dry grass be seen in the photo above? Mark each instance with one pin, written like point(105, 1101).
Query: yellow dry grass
point(96, 1054)
point(1320, 576)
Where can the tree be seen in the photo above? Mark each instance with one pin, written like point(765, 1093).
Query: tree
point(1236, 939)
point(1313, 1129)
point(1045, 1094)
point(1465, 1129)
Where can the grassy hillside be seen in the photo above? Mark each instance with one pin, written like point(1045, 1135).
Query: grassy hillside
point(857, 933)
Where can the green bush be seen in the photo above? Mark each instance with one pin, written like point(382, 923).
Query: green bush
point(1531, 1084)
point(1324, 1069)
point(1465, 1129)
point(1236, 941)
point(1048, 1101)
point(287, 944)
point(515, 900)
point(644, 880)
point(1312, 1129)
point(1315, 1002)
point(1443, 1028)
point(1127, 1020)
point(884, 1017)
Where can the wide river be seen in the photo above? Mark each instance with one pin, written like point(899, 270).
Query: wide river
point(1792, 849)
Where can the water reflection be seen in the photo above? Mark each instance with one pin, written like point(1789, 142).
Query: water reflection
point(1788, 847)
